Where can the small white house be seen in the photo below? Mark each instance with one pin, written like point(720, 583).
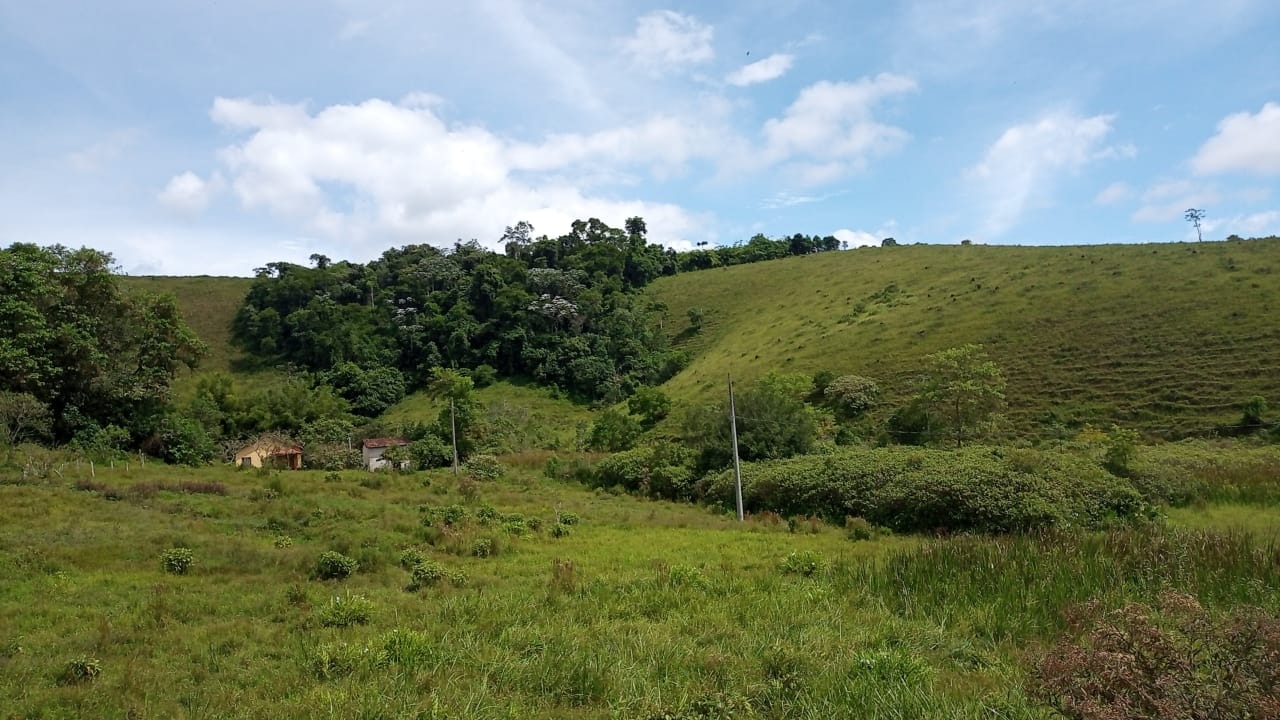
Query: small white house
point(371, 451)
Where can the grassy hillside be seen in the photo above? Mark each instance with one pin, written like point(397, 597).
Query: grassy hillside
point(1169, 338)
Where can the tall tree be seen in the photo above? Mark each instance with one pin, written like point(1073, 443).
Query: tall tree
point(1194, 216)
point(962, 388)
point(74, 340)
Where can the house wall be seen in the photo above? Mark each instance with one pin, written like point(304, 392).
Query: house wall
point(258, 457)
point(373, 459)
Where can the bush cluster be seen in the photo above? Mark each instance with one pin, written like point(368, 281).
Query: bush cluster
point(1172, 660)
point(346, 610)
point(913, 489)
point(335, 566)
point(177, 561)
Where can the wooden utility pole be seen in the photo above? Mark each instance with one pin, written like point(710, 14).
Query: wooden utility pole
point(453, 428)
point(737, 467)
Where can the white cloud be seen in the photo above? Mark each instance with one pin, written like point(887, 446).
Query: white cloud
point(770, 68)
point(189, 193)
point(350, 172)
point(786, 199)
point(1020, 169)
point(1261, 224)
point(829, 130)
point(856, 238)
point(1116, 192)
point(1168, 201)
point(1244, 142)
point(666, 40)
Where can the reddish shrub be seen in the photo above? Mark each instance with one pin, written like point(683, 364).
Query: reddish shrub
point(1175, 660)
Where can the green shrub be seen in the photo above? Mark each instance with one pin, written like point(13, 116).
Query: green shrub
point(804, 562)
point(425, 574)
point(483, 547)
point(1121, 447)
point(346, 610)
point(913, 489)
point(407, 648)
point(859, 528)
point(487, 514)
point(484, 467)
point(457, 578)
point(567, 518)
point(335, 566)
point(614, 431)
point(335, 660)
point(663, 471)
point(282, 541)
point(560, 530)
point(177, 561)
point(80, 670)
point(411, 557)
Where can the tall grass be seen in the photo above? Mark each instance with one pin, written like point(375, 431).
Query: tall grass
point(1015, 588)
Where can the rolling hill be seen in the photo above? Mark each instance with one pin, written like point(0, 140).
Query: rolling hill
point(1168, 338)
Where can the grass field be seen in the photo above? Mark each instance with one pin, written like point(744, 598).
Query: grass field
point(639, 609)
point(1170, 338)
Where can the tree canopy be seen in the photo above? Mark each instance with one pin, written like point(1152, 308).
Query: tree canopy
point(71, 338)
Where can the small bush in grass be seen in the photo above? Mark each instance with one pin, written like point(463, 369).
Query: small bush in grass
point(335, 660)
point(804, 562)
point(333, 476)
point(408, 648)
point(411, 557)
point(560, 530)
point(177, 561)
point(1174, 660)
point(483, 547)
point(568, 518)
point(451, 515)
point(486, 514)
point(484, 467)
point(1122, 444)
point(80, 670)
point(283, 541)
point(859, 528)
point(346, 610)
point(335, 566)
point(425, 574)
point(457, 578)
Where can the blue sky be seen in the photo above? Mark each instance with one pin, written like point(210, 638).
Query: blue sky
point(213, 136)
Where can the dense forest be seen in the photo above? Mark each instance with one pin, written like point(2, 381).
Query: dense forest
point(562, 311)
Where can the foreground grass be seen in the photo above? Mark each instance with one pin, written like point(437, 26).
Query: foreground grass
point(645, 609)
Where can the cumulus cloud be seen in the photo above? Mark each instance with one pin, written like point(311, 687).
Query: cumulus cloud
point(856, 238)
point(189, 193)
point(666, 40)
point(1244, 142)
point(351, 172)
point(1261, 224)
point(770, 68)
point(1020, 169)
point(830, 131)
